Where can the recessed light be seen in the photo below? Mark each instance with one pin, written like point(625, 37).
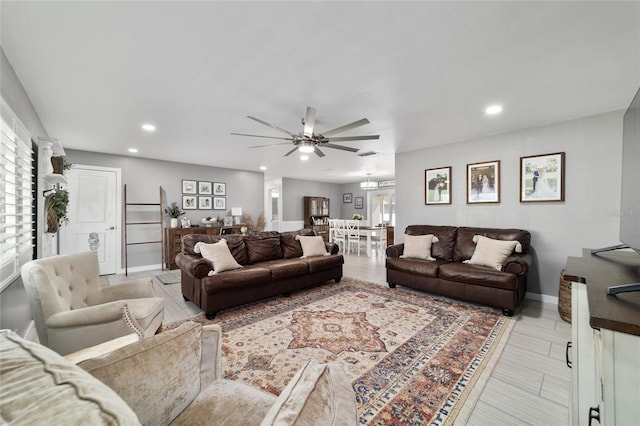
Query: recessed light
point(304, 157)
point(493, 110)
point(263, 167)
point(148, 127)
point(132, 150)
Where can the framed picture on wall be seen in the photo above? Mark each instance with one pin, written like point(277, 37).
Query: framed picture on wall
point(359, 203)
point(204, 203)
point(189, 186)
point(483, 182)
point(204, 188)
point(189, 202)
point(542, 178)
point(437, 184)
point(347, 198)
point(219, 188)
point(219, 203)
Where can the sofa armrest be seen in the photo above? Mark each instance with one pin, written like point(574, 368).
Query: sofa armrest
point(193, 265)
point(211, 364)
point(395, 250)
point(518, 264)
point(90, 315)
point(135, 289)
point(332, 248)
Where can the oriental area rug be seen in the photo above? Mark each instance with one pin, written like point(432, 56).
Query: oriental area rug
point(412, 358)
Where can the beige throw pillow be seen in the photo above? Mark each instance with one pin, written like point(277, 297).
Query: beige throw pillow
point(219, 256)
point(418, 246)
point(312, 246)
point(493, 253)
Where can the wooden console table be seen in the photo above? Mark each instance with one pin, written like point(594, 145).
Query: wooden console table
point(605, 339)
point(173, 240)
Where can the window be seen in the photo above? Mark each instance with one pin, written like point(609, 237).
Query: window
point(16, 215)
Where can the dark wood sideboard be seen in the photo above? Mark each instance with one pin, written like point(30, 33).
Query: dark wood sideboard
point(173, 240)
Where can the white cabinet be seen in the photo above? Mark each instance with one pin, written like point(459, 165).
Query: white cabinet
point(605, 380)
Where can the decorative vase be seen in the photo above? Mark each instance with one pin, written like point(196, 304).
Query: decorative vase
point(174, 222)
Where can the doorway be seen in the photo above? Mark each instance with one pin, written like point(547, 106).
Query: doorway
point(94, 213)
point(382, 207)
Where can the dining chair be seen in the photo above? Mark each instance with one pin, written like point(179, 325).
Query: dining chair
point(353, 235)
point(379, 240)
point(340, 234)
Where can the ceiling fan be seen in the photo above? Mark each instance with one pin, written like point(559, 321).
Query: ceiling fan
point(307, 141)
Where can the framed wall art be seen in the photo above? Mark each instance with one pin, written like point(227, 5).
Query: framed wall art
point(204, 203)
point(219, 188)
point(359, 203)
point(189, 186)
point(219, 203)
point(189, 202)
point(204, 188)
point(437, 186)
point(347, 198)
point(483, 182)
point(542, 178)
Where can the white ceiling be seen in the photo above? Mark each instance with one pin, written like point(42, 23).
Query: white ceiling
point(421, 72)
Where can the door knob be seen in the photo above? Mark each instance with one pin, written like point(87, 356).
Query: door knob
point(111, 228)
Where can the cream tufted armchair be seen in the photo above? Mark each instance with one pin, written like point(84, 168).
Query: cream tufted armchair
point(71, 311)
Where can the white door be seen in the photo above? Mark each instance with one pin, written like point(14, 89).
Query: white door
point(94, 215)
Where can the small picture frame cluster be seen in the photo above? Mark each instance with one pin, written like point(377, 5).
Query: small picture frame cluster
point(542, 178)
point(203, 195)
point(437, 185)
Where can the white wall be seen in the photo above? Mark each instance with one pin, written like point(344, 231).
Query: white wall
point(587, 217)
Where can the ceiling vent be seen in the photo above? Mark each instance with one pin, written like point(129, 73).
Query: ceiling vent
point(367, 154)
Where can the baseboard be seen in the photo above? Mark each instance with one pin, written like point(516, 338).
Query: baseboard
point(545, 298)
point(142, 268)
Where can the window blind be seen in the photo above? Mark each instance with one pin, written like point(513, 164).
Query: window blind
point(16, 216)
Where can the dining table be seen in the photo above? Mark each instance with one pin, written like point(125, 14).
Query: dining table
point(370, 231)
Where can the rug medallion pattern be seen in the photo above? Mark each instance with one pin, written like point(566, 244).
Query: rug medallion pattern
point(410, 356)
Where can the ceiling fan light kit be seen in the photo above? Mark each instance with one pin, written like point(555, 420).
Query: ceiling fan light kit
point(307, 141)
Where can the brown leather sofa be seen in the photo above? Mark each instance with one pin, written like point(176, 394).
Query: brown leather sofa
point(272, 265)
point(448, 276)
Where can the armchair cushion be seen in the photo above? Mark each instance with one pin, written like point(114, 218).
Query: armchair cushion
point(38, 386)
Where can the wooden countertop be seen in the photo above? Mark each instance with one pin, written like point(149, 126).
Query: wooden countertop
point(599, 271)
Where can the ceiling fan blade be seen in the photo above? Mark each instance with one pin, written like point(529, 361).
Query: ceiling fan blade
point(260, 136)
point(291, 152)
point(344, 148)
point(272, 126)
point(318, 152)
point(271, 144)
point(309, 121)
point(346, 127)
point(352, 138)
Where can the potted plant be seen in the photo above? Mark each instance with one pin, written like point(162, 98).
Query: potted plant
point(174, 212)
point(357, 216)
point(57, 204)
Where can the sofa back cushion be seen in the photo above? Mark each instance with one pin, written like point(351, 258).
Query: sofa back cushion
point(291, 247)
point(465, 247)
point(443, 249)
point(235, 243)
point(263, 246)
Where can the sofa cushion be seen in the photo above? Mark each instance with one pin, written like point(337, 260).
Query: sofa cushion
point(479, 275)
point(219, 255)
point(263, 246)
point(249, 276)
point(40, 386)
point(492, 253)
point(319, 394)
point(285, 268)
point(465, 247)
point(418, 246)
point(290, 246)
point(156, 398)
point(312, 246)
point(234, 242)
point(323, 263)
point(414, 266)
point(446, 239)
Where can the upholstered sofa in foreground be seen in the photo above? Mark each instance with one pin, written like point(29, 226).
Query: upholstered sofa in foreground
point(272, 263)
point(171, 378)
point(458, 271)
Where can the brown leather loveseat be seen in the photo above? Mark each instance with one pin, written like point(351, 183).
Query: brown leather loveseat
point(448, 276)
point(271, 265)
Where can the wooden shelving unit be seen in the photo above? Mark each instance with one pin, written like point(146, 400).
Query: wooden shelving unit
point(316, 215)
point(128, 224)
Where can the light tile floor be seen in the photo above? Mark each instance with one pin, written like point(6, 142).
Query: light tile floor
point(530, 382)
